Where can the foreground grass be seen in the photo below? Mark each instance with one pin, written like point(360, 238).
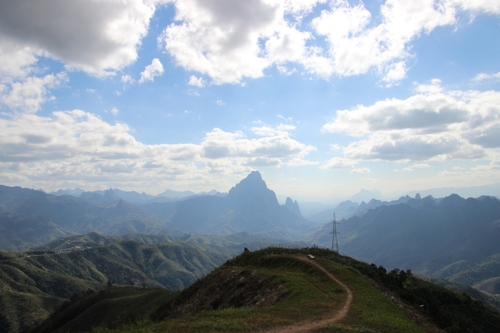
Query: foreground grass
point(371, 310)
point(312, 296)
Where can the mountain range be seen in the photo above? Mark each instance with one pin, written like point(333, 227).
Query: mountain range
point(114, 195)
point(29, 218)
point(451, 238)
point(116, 236)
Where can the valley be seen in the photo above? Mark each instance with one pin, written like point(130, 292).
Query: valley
point(56, 249)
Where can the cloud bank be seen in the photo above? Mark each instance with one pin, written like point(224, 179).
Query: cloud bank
point(431, 125)
point(79, 147)
point(231, 40)
point(97, 37)
point(225, 40)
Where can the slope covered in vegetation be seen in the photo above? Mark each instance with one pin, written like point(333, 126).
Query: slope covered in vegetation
point(277, 290)
point(33, 283)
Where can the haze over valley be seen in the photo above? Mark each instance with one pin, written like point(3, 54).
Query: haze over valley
point(249, 166)
point(132, 238)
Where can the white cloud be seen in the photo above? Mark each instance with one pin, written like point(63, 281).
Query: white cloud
point(98, 37)
point(433, 87)
point(338, 163)
point(361, 170)
point(151, 71)
point(486, 77)
point(220, 38)
point(289, 45)
point(335, 146)
point(481, 174)
point(287, 119)
point(229, 40)
point(28, 95)
point(77, 146)
point(434, 125)
point(298, 162)
point(220, 102)
point(301, 7)
point(280, 130)
point(196, 81)
point(272, 143)
point(226, 40)
point(413, 148)
point(285, 70)
point(127, 79)
point(356, 45)
point(485, 6)
point(417, 166)
point(418, 113)
point(17, 59)
point(258, 162)
point(395, 72)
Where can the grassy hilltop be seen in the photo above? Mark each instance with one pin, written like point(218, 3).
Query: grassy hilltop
point(278, 290)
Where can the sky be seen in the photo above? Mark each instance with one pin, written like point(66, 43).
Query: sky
point(323, 97)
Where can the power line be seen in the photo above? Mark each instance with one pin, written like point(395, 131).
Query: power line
point(335, 242)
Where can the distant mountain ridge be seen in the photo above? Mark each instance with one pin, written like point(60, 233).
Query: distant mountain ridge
point(452, 237)
point(293, 206)
point(248, 207)
point(111, 196)
point(349, 208)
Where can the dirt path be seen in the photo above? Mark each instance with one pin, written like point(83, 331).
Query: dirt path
point(53, 253)
point(337, 316)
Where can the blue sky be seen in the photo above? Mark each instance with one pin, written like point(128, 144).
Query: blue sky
point(324, 98)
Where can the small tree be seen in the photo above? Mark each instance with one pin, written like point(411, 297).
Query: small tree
point(403, 276)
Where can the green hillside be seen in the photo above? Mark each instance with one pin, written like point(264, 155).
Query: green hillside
point(112, 307)
point(282, 290)
point(231, 244)
point(33, 283)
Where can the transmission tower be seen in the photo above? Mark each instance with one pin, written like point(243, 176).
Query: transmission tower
point(335, 242)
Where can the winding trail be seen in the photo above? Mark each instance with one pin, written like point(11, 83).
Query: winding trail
point(336, 316)
point(47, 254)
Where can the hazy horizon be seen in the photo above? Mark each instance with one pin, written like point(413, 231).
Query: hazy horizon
point(323, 97)
point(364, 194)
